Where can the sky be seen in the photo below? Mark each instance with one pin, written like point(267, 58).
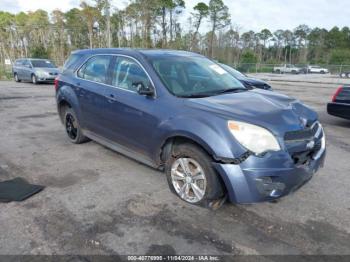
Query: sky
point(245, 14)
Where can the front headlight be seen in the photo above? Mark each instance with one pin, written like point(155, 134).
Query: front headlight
point(41, 73)
point(255, 138)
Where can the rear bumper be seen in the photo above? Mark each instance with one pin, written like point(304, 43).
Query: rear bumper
point(339, 110)
point(48, 80)
point(259, 180)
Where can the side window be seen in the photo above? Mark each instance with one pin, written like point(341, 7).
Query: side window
point(71, 60)
point(19, 63)
point(95, 69)
point(26, 63)
point(128, 73)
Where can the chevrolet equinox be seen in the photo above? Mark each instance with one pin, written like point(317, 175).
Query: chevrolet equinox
point(186, 115)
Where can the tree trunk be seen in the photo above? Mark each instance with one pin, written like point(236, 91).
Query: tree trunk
point(211, 49)
point(171, 25)
point(196, 32)
point(164, 26)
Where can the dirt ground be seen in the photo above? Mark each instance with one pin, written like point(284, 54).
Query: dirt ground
point(97, 201)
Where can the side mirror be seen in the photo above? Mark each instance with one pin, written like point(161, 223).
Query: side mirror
point(144, 90)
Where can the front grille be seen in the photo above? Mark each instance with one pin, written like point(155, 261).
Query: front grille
point(300, 143)
point(305, 134)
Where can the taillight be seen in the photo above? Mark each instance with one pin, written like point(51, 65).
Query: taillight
point(337, 93)
point(56, 83)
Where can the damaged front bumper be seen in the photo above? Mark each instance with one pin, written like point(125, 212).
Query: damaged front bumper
point(270, 177)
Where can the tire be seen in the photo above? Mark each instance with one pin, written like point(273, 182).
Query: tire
point(343, 75)
point(72, 127)
point(211, 193)
point(348, 75)
point(34, 79)
point(278, 71)
point(15, 76)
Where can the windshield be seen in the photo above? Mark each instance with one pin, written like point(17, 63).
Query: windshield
point(194, 76)
point(233, 71)
point(42, 63)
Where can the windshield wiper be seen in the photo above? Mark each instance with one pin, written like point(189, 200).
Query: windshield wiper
point(213, 93)
point(194, 95)
point(232, 90)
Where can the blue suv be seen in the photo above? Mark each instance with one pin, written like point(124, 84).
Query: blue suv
point(185, 114)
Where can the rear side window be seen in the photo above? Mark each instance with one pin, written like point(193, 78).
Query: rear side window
point(43, 64)
point(95, 69)
point(19, 62)
point(72, 59)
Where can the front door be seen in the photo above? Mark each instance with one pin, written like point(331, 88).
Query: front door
point(130, 116)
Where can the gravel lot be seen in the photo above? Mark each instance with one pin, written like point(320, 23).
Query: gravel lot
point(100, 202)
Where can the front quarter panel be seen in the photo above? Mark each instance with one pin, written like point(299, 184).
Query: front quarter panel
point(209, 132)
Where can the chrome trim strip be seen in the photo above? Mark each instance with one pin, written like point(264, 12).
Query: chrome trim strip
point(132, 58)
point(319, 130)
point(323, 145)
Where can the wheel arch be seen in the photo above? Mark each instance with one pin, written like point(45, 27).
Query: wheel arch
point(61, 105)
point(171, 142)
point(65, 96)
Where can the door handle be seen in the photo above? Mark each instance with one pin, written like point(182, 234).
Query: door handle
point(111, 98)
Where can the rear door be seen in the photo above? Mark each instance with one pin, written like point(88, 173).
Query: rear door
point(26, 70)
point(17, 68)
point(89, 87)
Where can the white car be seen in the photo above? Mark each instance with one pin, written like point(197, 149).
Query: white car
point(315, 69)
point(288, 68)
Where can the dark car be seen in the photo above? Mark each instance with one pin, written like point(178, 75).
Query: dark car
point(245, 80)
point(340, 105)
point(184, 114)
point(34, 70)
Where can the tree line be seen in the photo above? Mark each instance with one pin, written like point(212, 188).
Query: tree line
point(209, 30)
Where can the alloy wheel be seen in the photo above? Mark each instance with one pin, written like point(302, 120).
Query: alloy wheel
point(188, 179)
point(71, 128)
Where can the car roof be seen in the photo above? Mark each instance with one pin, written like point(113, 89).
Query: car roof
point(39, 59)
point(136, 52)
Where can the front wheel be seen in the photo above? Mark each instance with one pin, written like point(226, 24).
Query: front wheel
point(192, 178)
point(34, 79)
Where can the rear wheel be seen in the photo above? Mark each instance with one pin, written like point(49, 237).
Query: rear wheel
point(16, 77)
point(343, 75)
point(348, 75)
point(192, 178)
point(72, 127)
